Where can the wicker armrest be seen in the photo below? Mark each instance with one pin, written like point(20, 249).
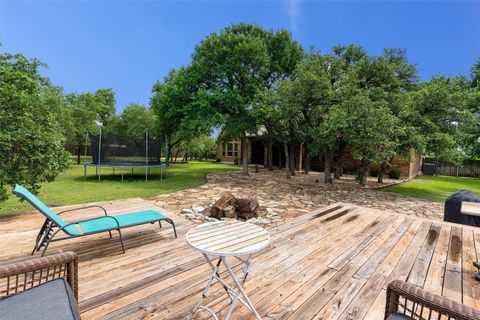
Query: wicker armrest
point(19, 276)
point(413, 301)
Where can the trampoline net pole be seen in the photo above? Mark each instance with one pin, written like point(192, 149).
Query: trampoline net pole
point(146, 155)
point(86, 145)
point(99, 152)
point(85, 157)
point(166, 151)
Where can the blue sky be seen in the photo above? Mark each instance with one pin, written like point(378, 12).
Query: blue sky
point(127, 46)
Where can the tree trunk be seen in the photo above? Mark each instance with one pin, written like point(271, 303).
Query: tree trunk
point(279, 159)
point(78, 155)
point(306, 160)
point(341, 159)
point(328, 166)
point(170, 153)
point(364, 172)
point(270, 154)
point(382, 171)
point(287, 171)
point(291, 162)
point(300, 159)
point(244, 155)
point(176, 155)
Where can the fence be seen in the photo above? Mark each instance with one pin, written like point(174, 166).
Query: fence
point(468, 169)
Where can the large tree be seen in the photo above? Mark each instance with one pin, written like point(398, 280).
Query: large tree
point(373, 132)
point(475, 74)
point(83, 114)
point(134, 121)
point(105, 105)
point(318, 86)
point(235, 65)
point(31, 138)
point(381, 84)
point(440, 106)
point(280, 119)
point(309, 94)
point(182, 107)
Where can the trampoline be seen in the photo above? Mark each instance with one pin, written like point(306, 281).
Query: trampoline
point(125, 154)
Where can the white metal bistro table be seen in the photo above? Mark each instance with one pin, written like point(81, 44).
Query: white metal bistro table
point(222, 239)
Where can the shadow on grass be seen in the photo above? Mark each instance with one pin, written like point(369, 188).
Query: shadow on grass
point(118, 177)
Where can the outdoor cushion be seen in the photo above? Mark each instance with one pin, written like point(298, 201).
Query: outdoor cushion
point(125, 220)
point(52, 300)
point(398, 316)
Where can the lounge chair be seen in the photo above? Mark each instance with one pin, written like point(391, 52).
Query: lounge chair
point(406, 301)
point(54, 224)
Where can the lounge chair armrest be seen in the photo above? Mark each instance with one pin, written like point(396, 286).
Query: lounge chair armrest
point(425, 301)
point(82, 208)
point(29, 273)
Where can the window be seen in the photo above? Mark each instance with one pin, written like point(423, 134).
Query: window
point(230, 149)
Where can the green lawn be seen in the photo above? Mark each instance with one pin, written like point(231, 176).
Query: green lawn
point(71, 188)
point(435, 188)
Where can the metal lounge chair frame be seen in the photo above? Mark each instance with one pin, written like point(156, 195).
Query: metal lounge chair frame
point(51, 228)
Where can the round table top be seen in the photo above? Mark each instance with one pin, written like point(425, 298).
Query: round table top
point(228, 238)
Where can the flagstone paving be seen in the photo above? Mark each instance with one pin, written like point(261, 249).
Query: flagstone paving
point(299, 195)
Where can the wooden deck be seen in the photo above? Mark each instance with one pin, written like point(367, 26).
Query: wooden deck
point(330, 264)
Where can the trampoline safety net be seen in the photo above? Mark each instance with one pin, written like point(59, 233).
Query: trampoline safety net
point(119, 150)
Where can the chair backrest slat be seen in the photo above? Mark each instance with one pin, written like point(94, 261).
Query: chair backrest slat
point(39, 205)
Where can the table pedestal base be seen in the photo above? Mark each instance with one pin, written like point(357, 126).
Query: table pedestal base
point(235, 295)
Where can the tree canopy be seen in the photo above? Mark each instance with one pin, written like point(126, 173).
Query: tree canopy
point(182, 107)
point(237, 63)
point(31, 137)
point(134, 121)
point(246, 80)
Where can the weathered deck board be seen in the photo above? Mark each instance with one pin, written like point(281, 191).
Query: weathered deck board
point(331, 264)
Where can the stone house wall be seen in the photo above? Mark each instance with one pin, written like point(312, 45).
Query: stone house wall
point(227, 158)
point(408, 168)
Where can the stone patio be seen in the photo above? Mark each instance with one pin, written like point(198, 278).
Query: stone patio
point(299, 195)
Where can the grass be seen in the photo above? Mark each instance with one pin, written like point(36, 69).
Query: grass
point(436, 188)
point(71, 188)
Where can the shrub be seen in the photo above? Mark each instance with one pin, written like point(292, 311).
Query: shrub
point(374, 172)
point(394, 174)
point(218, 159)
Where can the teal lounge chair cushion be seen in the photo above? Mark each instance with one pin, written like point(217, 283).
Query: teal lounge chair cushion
point(40, 206)
point(124, 220)
point(43, 208)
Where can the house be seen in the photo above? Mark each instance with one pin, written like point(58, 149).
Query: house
point(258, 155)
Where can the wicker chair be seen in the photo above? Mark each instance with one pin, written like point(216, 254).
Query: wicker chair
point(407, 301)
point(45, 285)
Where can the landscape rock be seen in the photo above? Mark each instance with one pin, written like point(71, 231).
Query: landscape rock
point(187, 211)
point(259, 221)
point(198, 208)
point(295, 197)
